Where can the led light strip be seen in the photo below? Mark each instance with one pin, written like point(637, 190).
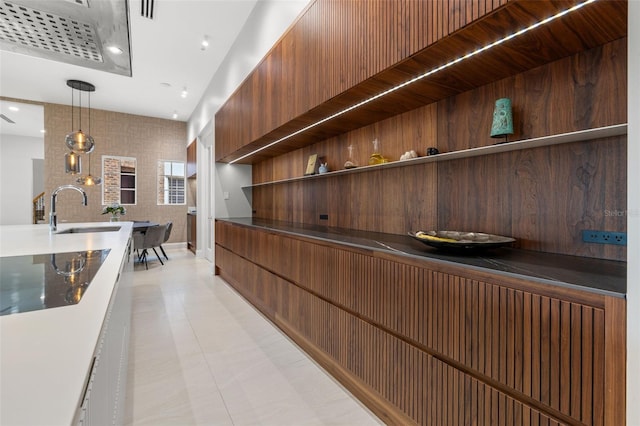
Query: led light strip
point(420, 77)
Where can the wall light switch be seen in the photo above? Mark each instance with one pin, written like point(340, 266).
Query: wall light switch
point(225, 195)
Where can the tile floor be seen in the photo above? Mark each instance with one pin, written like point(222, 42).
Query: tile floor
point(200, 354)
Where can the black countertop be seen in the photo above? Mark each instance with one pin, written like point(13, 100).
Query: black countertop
point(42, 281)
point(597, 275)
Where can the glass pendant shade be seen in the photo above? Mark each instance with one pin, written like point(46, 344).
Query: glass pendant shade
point(80, 142)
point(89, 180)
point(72, 163)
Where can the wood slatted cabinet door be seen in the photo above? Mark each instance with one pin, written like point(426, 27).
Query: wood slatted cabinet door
point(539, 354)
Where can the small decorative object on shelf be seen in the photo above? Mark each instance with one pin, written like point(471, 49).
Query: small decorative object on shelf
point(432, 151)
point(408, 155)
point(458, 240)
point(115, 210)
point(312, 165)
point(502, 125)
point(351, 160)
point(376, 157)
point(323, 168)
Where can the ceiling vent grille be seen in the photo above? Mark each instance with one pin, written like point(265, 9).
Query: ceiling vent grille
point(26, 27)
point(146, 8)
point(84, 3)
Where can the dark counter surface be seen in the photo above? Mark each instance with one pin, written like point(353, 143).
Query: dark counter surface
point(597, 275)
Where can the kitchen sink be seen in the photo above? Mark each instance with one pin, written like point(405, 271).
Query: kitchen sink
point(89, 229)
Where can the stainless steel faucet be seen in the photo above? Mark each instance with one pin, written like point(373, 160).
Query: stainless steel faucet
point(53, 218)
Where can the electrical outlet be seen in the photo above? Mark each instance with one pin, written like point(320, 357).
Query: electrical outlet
point(604, 237)
point(324, 217)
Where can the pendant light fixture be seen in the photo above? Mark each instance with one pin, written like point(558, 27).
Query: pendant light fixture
point(72, 163)
point(78, 141)
point(89, 180)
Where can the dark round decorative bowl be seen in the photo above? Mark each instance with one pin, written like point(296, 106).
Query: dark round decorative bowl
point(461, 240)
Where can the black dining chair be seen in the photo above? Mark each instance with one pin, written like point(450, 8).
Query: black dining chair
point(138, 243)
point(167, 234)
point(152, 239)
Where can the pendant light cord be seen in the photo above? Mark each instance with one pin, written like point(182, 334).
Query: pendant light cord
point(89, 133)
point(72, 128)
point(80, 101)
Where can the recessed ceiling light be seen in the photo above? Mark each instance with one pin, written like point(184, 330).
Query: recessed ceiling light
point(14, 108)
point(184, 92)
point(43, 131)
point(175, 116)
point(205, 43)
point(115, 50)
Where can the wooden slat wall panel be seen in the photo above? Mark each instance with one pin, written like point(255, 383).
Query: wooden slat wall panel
point(548, 349)
point(424, 388)
point(543, 197)
point(333, 46)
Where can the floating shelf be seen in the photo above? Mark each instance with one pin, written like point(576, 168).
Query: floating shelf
point(562, 138)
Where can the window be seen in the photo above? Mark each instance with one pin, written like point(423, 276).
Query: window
point(119, 180)
point(171, 182)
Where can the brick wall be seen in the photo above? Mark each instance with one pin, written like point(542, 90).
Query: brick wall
point(110, 180)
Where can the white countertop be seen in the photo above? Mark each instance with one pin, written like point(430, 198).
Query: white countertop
point(45, 355)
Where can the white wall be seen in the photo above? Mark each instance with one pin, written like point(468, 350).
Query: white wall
point(205, 183)
point(266, 24)
point(231, 201)
point(16, 177)
point(633, 217)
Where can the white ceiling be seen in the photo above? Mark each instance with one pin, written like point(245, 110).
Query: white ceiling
point(166, 57)
point(28, 121)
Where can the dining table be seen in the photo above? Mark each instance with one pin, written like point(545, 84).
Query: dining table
point(141, 226)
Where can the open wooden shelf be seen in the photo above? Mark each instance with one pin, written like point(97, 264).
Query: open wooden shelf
point(562, 138)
